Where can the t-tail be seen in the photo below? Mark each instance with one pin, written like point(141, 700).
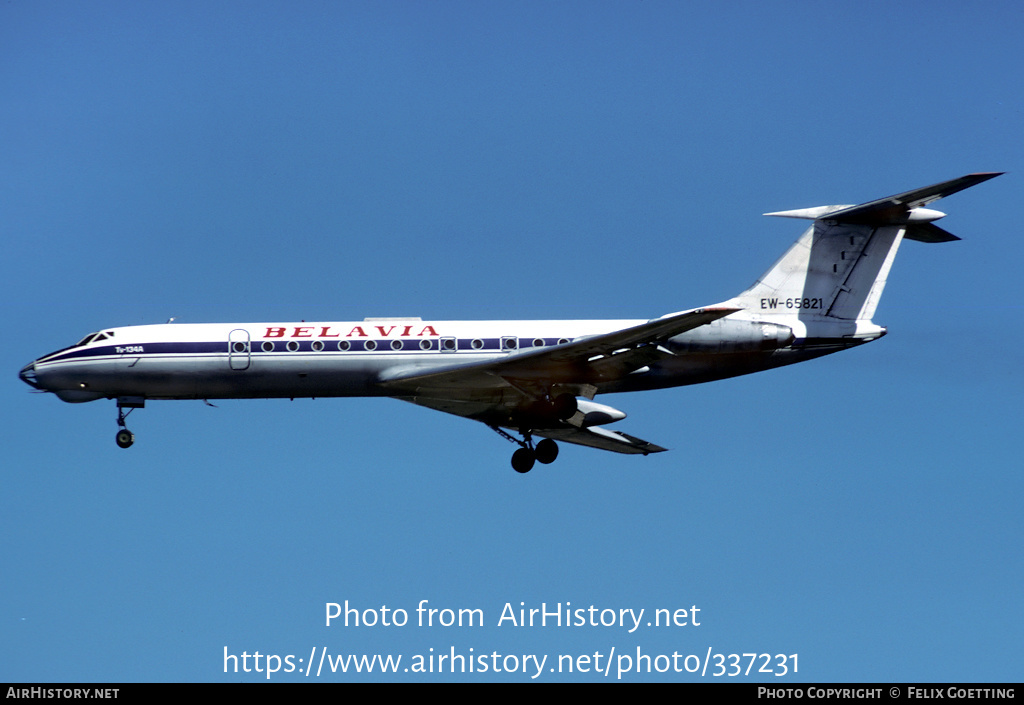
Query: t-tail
point(828, 284)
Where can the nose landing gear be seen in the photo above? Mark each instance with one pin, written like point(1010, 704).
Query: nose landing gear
point(124, 437)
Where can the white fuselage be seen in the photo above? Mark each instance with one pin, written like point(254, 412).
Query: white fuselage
point(263, 360)
point(333, 359)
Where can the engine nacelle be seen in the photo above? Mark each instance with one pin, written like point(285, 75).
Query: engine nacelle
point(727, 335)
point(595, 414)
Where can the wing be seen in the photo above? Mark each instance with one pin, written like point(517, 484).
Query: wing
point(515, 390)
point(578, 366)
point(568, 432)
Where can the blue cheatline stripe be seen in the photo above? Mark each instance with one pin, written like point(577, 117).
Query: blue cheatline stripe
point(383, 345)
point(136, 350)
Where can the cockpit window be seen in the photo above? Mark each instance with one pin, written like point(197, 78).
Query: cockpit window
point(94, 338)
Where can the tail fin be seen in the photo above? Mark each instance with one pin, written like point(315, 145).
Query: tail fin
point(838, 267)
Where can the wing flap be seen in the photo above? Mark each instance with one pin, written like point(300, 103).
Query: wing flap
point(603, 439)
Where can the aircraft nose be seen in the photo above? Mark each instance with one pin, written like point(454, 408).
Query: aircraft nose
point(28, 375)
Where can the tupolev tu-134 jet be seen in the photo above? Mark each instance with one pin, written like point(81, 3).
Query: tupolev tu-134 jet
point(524, 379)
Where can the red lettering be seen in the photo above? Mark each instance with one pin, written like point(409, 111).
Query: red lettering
point(428, 330)
point(274, 333)
point(406, 330)
point(323, 333)
point(352, 332)
point(387, 332)
point(300, 334)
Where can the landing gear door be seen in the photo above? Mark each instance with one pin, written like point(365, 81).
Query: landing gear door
point(238, 349)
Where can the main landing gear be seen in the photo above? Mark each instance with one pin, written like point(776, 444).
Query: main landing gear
point(543, 410)
point(124, 437)
point(544, 452)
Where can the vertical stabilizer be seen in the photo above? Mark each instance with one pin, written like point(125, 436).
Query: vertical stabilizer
point(834, 269)
point(839, 266)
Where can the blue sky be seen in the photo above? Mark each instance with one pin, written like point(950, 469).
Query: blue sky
point(329, 161)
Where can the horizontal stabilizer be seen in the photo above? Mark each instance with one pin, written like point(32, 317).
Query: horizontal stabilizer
point(895, 209)
point(929, 232)
point(903, 208)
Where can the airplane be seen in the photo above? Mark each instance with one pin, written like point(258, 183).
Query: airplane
point(528, 378)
